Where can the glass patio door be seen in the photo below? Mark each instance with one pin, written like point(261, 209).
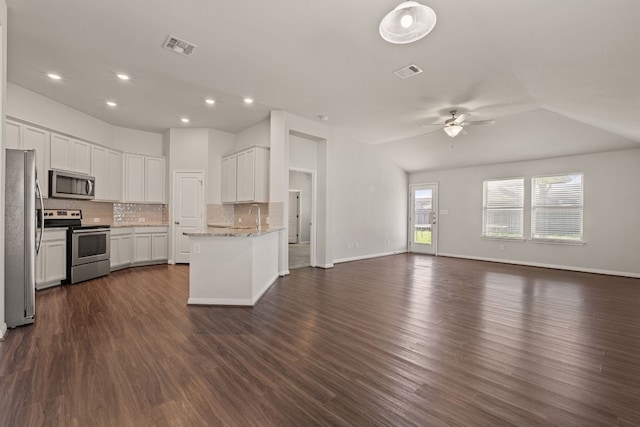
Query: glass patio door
point(423, 224)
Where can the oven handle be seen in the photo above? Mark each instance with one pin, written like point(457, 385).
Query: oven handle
point(89, 187)
point(92, 230)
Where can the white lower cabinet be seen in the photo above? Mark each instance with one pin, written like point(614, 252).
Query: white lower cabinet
point(51, 262)
point(151, 245)
point(120, 248)
point(139, 246)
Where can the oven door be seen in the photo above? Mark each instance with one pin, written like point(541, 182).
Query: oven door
point(89, 246)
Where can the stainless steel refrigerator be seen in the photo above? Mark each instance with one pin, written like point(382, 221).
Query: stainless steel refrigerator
point(20, 246)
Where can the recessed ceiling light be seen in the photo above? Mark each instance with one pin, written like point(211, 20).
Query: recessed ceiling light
point(54, 76)
point(210, 101)
point(184, 120)
point(111, 104)
point(123, 76)
point(323, 117)
point(248, 100)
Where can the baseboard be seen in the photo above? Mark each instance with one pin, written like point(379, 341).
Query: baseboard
point(325, 265)
point(542, 265)
point(262, 291)
point(284, 273)
point(3, 331)
point(220, 301)
point(361, 257)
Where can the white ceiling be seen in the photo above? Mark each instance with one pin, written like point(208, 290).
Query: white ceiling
point(560, 77)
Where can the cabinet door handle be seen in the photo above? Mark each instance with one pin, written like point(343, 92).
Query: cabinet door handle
point(176, 222)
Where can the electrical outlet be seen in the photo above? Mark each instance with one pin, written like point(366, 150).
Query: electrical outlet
point(141, 219)
point(348, 245)
point(239, 219)
point(196, 248)
point(96, 219)
point(501, 247)
point(357, 244)
point(388, 242)
point(267, 221)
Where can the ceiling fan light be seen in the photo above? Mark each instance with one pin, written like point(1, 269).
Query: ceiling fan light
point(408, 22)
point(453, 130)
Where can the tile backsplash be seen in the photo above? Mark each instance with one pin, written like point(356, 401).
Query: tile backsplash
point(116, 214)
point(140, 214)
point(237, 214)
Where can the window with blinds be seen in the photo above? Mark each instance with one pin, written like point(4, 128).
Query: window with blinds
point(503, 208)
point(556, 208)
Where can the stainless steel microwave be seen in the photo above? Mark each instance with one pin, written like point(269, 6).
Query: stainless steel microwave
point(69, 185)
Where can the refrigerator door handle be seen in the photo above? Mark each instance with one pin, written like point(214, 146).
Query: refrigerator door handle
point(41, 217)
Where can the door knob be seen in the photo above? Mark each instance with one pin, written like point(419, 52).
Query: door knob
point(176, 222)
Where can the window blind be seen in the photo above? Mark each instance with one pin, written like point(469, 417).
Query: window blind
point(557, 207)
point(503, 208)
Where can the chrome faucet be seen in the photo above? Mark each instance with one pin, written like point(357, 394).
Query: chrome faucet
point(258, 220)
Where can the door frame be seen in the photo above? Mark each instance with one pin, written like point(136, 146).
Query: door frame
point(314, 207)
point(299, 217)
point(434, 226)
point(174, 204)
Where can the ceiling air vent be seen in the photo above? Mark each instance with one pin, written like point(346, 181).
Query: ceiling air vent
point(177, 45)
point(408, 71)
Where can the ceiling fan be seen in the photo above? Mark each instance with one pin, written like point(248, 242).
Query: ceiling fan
point(455, 125)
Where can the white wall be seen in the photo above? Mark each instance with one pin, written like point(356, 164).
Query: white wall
point(303, 153)
point(3, 86)
point(302, 181)
point(611, 212)
point(258, 134)
point(137, 141)
point(369, 199)
point(39, 110)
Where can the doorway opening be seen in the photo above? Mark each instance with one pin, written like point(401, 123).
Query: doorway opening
point(300, 225)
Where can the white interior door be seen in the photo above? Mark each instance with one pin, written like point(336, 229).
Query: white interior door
point(294, 216)
point(188, 211)
point(423, 224)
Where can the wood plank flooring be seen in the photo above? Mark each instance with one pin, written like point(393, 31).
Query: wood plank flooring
point(404, 340)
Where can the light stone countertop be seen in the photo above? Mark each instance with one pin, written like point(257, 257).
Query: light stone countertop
point(141, 224)
point(228, 231)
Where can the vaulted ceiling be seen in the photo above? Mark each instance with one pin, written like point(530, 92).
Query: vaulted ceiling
point(559, 77)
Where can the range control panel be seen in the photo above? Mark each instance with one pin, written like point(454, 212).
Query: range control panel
point(62, 214)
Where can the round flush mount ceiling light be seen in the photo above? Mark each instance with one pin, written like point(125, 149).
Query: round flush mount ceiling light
point(408, 22)
point(54, 76)
point(112, 104)
point(210, 101)
point(184, 120)
point(248, 100)
point(123, 76)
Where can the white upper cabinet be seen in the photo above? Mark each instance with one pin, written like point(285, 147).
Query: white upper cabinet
point(154, 179)
point(144, 178)
point(114, 160)
point(38, 139)
point(13, 135)
point(134, 178)
point(81, 157)
point(107, 169)
point(245, 176)
point(229, 168)
point(70, 154)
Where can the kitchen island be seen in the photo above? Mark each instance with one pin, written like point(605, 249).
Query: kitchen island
point(232, 266)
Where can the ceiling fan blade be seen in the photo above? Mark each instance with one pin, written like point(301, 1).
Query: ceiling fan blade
point(480, 123)
point(461, 118)
point(433, 131)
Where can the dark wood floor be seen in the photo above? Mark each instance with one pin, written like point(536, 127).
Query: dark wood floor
point(400, 340)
